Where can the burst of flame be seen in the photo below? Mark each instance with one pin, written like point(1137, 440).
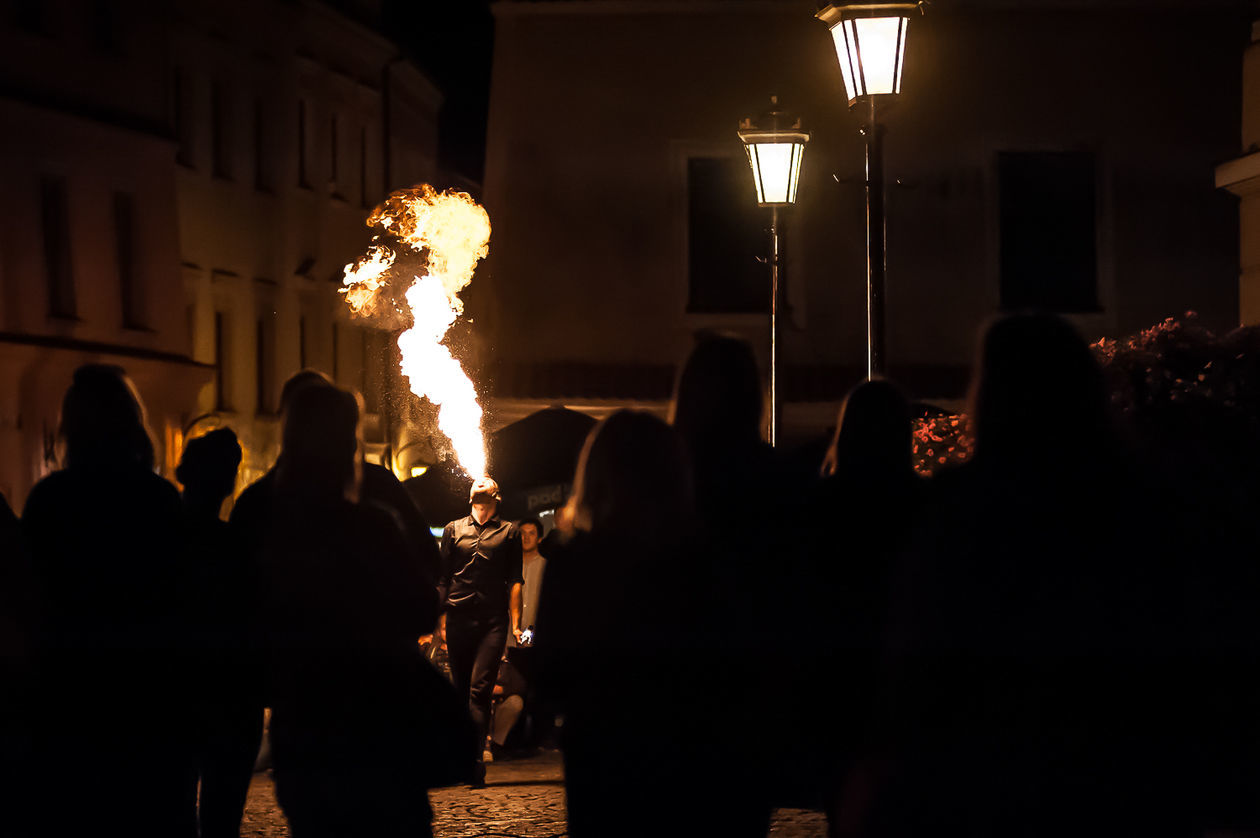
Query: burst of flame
point(364, 279)
point(435, 374)
point(452, 233)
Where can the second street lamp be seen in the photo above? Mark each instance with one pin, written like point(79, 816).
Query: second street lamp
point(871, 47)
point(775, 147)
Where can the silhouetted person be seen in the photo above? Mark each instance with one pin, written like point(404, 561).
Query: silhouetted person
point(1031, 639)
point(105, 538)
point(227, 721)
point(480, 591)
point(718, 412)
point(17, 700)
point(624, 645)
point(741, 503)
point(854, 526)
point(377, 484)
point(344, 603)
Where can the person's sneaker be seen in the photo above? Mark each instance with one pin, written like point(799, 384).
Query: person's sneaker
point(487, 755)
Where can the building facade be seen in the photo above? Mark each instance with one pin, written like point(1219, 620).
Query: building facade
point(89, 245)
point(183, 183)
point(1049, 154)
point(289, 130)
point(1241, 176)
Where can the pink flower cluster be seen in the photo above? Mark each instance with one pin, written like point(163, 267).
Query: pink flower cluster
point(1175, 377)
point(940, 441)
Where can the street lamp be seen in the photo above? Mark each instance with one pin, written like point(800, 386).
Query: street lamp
point(775, 146)
point(871, 47)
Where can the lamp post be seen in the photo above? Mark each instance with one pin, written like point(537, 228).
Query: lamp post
point(871, 47)
point(775, 146)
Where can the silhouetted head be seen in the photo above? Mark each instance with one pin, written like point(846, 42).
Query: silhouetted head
point(300, 380)
point(1037, 392)
point(633, 479)
point(103, 420)
point(718, 401)
point(873, 431)
point(209, 464)
point(321, 443)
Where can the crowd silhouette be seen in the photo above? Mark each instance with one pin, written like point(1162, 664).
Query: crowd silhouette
point(1055, 638)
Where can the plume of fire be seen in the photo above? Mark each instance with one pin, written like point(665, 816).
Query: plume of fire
point(450, 233)
point(364, 279)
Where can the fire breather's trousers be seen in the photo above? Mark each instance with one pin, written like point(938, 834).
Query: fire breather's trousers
point(475, 643)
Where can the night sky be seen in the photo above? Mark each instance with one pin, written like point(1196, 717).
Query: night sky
point(454, 43)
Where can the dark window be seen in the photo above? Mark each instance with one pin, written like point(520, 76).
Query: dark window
point(219, 131)
point(301, 343)
point(260, 152)
point(301, 144)
point(125, 251)
point(363, 362)
point(369, 375)
point(336, 363)
point(1049, 253)
point(264, 365)
point(363, 171)
point(32, 15)
point(182, 124)
point(104, 26)
point(332, 149)
point(57, 256)
point(221, 401)
point(727, 235)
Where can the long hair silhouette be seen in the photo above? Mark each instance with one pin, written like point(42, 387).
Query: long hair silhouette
point(1037, 378)
point(632, 478)
point(873, 433)
point(718, 400)
point(103, 421)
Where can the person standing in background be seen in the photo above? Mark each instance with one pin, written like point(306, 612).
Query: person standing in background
point(517, 716)
point(343, 601)
point(533, 565)
point(105, 536)
point(225, 677)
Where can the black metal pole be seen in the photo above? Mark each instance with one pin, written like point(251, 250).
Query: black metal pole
point(876, 244)
point(774, 325)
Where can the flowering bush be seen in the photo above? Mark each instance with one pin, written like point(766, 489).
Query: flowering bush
point(1174, 381)
point(940, 441)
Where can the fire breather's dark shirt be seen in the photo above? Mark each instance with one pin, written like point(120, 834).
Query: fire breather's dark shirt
point(480, 564)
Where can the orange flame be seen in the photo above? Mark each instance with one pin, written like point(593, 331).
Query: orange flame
point(364, 279)
point(451, 233)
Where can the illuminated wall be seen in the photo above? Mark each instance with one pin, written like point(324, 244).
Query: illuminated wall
point(597, 108)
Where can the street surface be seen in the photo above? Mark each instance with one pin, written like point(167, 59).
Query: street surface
point(522, 799)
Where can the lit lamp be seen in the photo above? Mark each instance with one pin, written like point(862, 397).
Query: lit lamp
point(870, 43)
point(775, 147)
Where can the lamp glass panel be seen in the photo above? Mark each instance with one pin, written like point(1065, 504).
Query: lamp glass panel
point(842, 55)
point(798, 154)
point(773, 171)
point(901, 52)
point(877, 50)
point(755, 161)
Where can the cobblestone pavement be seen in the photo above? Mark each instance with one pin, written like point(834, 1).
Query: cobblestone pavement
point(522, 799)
